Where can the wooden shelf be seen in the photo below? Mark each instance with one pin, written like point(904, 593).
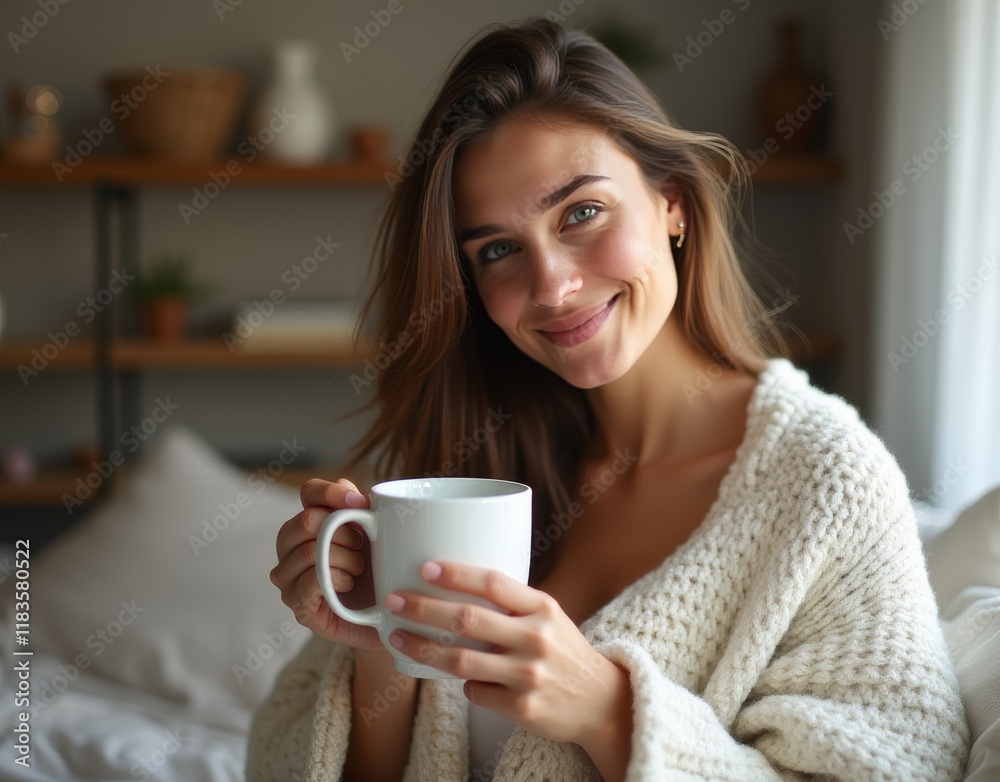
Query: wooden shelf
point(781, 168)
point(213, 353)
point(78, 354)
point(210, 353)
point(126, 171)
point(46, 488)
point(794, 168)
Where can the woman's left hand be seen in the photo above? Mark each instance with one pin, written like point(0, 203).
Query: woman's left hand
point(543, 675)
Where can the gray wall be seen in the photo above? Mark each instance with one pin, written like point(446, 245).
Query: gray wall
point(248, 237)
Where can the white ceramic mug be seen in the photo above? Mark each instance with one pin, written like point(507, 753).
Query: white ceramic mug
point(475, 521)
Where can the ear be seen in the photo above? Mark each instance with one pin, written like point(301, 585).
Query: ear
point(671, 193)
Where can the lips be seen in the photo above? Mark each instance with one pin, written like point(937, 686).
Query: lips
point(578, 328)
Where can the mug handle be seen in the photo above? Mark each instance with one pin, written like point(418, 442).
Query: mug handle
point(371, 616)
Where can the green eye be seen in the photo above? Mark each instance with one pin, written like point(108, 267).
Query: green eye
point(582, 214)
point(494, 251)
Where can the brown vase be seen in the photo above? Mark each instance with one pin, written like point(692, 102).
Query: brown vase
point(784, 98)
point(164, 320)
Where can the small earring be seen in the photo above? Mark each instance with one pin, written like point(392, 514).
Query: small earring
point(680, 241)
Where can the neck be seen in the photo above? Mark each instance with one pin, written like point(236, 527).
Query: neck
point(670, 405)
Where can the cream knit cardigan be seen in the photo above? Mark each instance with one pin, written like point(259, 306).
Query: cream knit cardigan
point(794, 633)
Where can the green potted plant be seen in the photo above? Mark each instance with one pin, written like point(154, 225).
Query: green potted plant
point(164, 294)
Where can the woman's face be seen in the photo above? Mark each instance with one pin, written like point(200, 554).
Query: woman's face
point(569, 248)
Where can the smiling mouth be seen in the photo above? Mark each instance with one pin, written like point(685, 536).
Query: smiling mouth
point(580, 334)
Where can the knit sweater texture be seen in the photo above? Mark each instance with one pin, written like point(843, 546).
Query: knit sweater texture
point(793, 634)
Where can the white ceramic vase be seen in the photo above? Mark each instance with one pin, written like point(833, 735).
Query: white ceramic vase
point(293, 119)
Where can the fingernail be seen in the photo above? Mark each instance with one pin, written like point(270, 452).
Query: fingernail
point(396, 640)
point(431, 571)
point(394, 602)
point(354, 499)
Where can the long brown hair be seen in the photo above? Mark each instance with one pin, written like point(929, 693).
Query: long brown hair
point(453, 395)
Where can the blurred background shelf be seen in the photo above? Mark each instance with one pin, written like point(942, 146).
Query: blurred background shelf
point(203, 353)
point(213, 353)
point(79, 354)
point(128, 172)
point(45, 489)
point(781, 168)
point(51, 487)
point(792, 168)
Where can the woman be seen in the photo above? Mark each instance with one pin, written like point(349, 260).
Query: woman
point(726, 580)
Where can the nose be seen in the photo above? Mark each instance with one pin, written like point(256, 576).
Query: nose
point(556, 277)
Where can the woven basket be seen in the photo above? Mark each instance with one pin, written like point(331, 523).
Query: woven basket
point(189, 114)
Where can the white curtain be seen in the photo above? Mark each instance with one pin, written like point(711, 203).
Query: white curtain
point(937, 247)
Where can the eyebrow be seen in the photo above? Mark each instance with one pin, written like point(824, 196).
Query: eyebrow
point(544, 204)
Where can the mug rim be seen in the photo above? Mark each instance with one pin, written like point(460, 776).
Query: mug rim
point(521, 488)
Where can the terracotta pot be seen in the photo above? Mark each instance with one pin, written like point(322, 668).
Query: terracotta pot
point(164, 320)
point(369, 142)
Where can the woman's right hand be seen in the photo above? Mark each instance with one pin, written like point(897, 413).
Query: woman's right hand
point(295, 573)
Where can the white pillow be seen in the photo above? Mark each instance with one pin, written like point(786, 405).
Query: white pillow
point(164, 586)
point(968, 552)
point(971, 626)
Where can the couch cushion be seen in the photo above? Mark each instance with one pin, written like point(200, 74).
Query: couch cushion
point(968, 552)
point(164, 585)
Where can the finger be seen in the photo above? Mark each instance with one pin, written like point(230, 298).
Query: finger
point(344, 563)
point(460, 619)
point(340, 494)
point(306, 599)
point(459, 661)
point(306, 592)
point(304, 526)
point(497, 587)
